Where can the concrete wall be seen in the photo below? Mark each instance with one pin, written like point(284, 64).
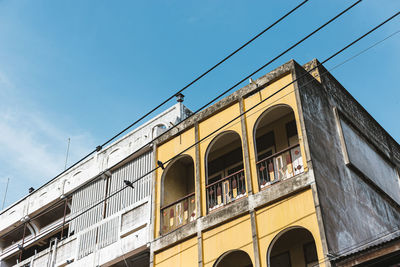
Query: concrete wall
point(208, 122)
point(355, 208)
point(248, 224)
point(117, 226)
point(234, 228)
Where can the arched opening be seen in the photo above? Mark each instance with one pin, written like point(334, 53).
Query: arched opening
point(225, 174)
point(157, 130)
point(178, 199)
point(293, 248)
point(234, 258)
point(277, 146)
point(16, 238)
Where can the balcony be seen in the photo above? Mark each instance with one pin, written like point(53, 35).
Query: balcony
point(178, 213)
point(278, 154)
point(279, 166)
point(225, 174)
point(177, 196)
point(226, 190)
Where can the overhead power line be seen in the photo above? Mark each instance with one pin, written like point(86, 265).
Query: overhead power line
point(251, 74)
point(336, 66)
point(208, 71)
point(98, 148)
point(248, 110)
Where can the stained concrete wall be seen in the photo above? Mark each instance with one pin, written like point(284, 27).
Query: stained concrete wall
point(88, 169)
point(354, 208)
point(109, 158)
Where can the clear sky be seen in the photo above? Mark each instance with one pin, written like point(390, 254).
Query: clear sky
point(87, 69)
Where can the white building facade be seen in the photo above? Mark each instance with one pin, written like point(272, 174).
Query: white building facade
point(84, 216)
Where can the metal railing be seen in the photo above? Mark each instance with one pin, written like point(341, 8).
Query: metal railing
point(178, 213)
point(284, 164)
point(226, 190)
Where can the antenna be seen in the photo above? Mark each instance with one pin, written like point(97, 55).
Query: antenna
point(66, 158)
point(5, 194)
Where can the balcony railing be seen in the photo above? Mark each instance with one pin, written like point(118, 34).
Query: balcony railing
point(281, 165)
point(178, 213)
point(226, 190)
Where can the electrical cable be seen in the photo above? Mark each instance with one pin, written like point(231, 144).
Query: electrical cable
point(244, 79)
point(326, 60)
point(346, 251)
point(98, 148)
point(250, 75)
point(208, 71)
point(241, 114)
point(336, 66)
point(343, 62)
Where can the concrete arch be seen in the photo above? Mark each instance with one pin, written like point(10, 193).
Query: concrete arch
point(276, 145)
point(234, 258)
point(276, 109)
point(212, 144)
point(224, 170)
point(114, 156)
point(178, 205)
point(157, 129)
point(169, 168)
point(289, 233)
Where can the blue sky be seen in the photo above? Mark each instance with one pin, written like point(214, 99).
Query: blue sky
point(86, 69)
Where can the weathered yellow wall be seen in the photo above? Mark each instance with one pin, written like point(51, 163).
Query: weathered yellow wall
point(206, 127)
point(235, 234)
point(181, 255)
point(286, 97)
point(176, 145)
point(297, 210)
point(164, 153)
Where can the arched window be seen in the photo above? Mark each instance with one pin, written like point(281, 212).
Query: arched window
point(177, 197)
point(225, 175)
point(291, 248)
point(277, 145)
point(234, 258)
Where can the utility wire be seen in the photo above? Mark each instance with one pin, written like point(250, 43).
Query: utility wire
point(241, 114)
point(238, 83)
point(248, 76)
point(385, 233)
point(98, 148)
point(207, 71)
point(346, 251)
point(5, 193)
point(336, 66)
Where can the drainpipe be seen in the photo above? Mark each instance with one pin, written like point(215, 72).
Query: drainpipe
point(23, 240)
point(63, 224)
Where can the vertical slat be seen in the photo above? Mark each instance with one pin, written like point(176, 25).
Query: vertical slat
point(85, 198)
point(131, 171)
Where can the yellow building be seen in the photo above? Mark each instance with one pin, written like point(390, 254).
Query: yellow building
point(266, 177)
point(288, 171)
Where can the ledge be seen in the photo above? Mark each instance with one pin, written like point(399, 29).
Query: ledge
point(272, 194)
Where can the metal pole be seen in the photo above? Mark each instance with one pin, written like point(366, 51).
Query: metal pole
point(66, 158)
point(5, 194)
